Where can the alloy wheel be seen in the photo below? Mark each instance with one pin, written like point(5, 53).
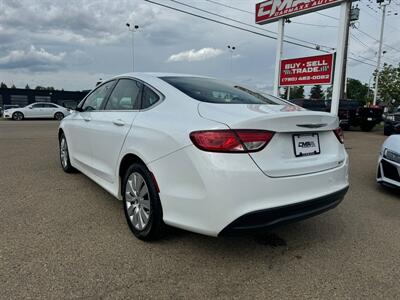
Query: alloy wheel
point(64, 152)
point(137, 201)
point(59, 116)
point(18, 116)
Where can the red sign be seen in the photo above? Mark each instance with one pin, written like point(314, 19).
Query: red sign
point(272, 10)
point(306, 70)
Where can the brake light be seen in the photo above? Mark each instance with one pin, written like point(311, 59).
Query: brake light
point(339, 134)
point(239, 141)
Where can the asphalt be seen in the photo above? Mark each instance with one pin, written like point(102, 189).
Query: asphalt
point(63, 237)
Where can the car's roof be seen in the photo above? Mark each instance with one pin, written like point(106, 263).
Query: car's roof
point(144, 75)
point(42, 103)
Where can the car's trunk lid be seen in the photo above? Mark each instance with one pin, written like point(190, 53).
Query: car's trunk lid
point(292, 126)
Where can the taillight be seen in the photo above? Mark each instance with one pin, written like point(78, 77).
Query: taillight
point(240, 140)
point(339, 134)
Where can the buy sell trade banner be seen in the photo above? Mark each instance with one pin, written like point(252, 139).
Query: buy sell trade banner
point(309, 70)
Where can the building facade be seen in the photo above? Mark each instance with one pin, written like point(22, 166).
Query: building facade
point(23, 97)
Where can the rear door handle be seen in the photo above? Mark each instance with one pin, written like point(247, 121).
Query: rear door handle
point(87, 119)
point(119, 122)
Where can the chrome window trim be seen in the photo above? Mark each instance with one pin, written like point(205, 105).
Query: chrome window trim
point(82, 102)
point(160, 95)
point(108, 98)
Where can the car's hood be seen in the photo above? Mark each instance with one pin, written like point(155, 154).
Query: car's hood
point(280, 118)
point(10, 110)
point(392, 143)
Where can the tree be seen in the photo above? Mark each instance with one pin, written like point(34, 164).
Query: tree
point(44, 88)
point(13, 86)
point(329, 91)
point(27, 87)
point(316, 92)
point(389, 84)
point(3, 85)
point(357, 90)
point(296, 92)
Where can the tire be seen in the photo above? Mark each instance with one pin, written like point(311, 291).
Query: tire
point(64, 155)
point(59, 116)
point(367, 127)
point(141, 201)
point(387, 131)
point(18, 116)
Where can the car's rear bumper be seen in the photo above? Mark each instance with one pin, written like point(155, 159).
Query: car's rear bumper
point(259, 221)
point(205, 192)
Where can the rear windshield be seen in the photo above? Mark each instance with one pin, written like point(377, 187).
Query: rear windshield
point(218, 91)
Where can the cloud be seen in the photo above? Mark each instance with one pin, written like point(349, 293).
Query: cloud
point(86, 23)
point(32, 59)
point(79, 22)
point(79, 58)
point(193, 55)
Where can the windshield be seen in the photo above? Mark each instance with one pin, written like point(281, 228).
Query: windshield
point(218, 91)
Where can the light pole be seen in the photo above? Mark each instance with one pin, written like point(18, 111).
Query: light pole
point(378, 66)
point(231, 50)
point(369, 86)
point(133, 28)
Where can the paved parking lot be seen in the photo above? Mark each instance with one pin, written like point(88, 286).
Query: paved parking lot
point(62, 236)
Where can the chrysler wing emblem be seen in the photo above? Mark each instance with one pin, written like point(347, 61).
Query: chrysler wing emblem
point(312, 125)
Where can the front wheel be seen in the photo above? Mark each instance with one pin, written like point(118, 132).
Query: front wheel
point(142, 204)
point(17, 116)
point(59, 116)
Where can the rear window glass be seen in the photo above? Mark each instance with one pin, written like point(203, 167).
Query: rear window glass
point(218, 91)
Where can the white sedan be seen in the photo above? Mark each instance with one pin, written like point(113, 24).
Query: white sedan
point(389, 162)
point(204, 155)
point(38, 110)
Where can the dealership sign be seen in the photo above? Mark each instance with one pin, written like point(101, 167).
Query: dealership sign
point(272, 10)
point(306, 70)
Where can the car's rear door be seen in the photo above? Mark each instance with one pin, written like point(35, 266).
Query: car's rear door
point(49, 110)
point(110, 126)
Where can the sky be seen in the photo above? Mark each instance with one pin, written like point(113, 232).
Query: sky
point(71, 44)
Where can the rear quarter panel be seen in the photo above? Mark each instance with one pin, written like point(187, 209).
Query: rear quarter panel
point(165, 128)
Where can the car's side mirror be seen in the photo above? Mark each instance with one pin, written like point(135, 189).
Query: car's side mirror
point(30, 107)
point(79, 109)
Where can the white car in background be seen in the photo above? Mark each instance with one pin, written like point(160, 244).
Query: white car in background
point(37, 110)
point(389, 162)
point(204, 155)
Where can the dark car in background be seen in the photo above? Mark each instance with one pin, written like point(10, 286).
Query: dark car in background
point(392, 123)
point(311, 104)
point(355, 113)
point(351, 112)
